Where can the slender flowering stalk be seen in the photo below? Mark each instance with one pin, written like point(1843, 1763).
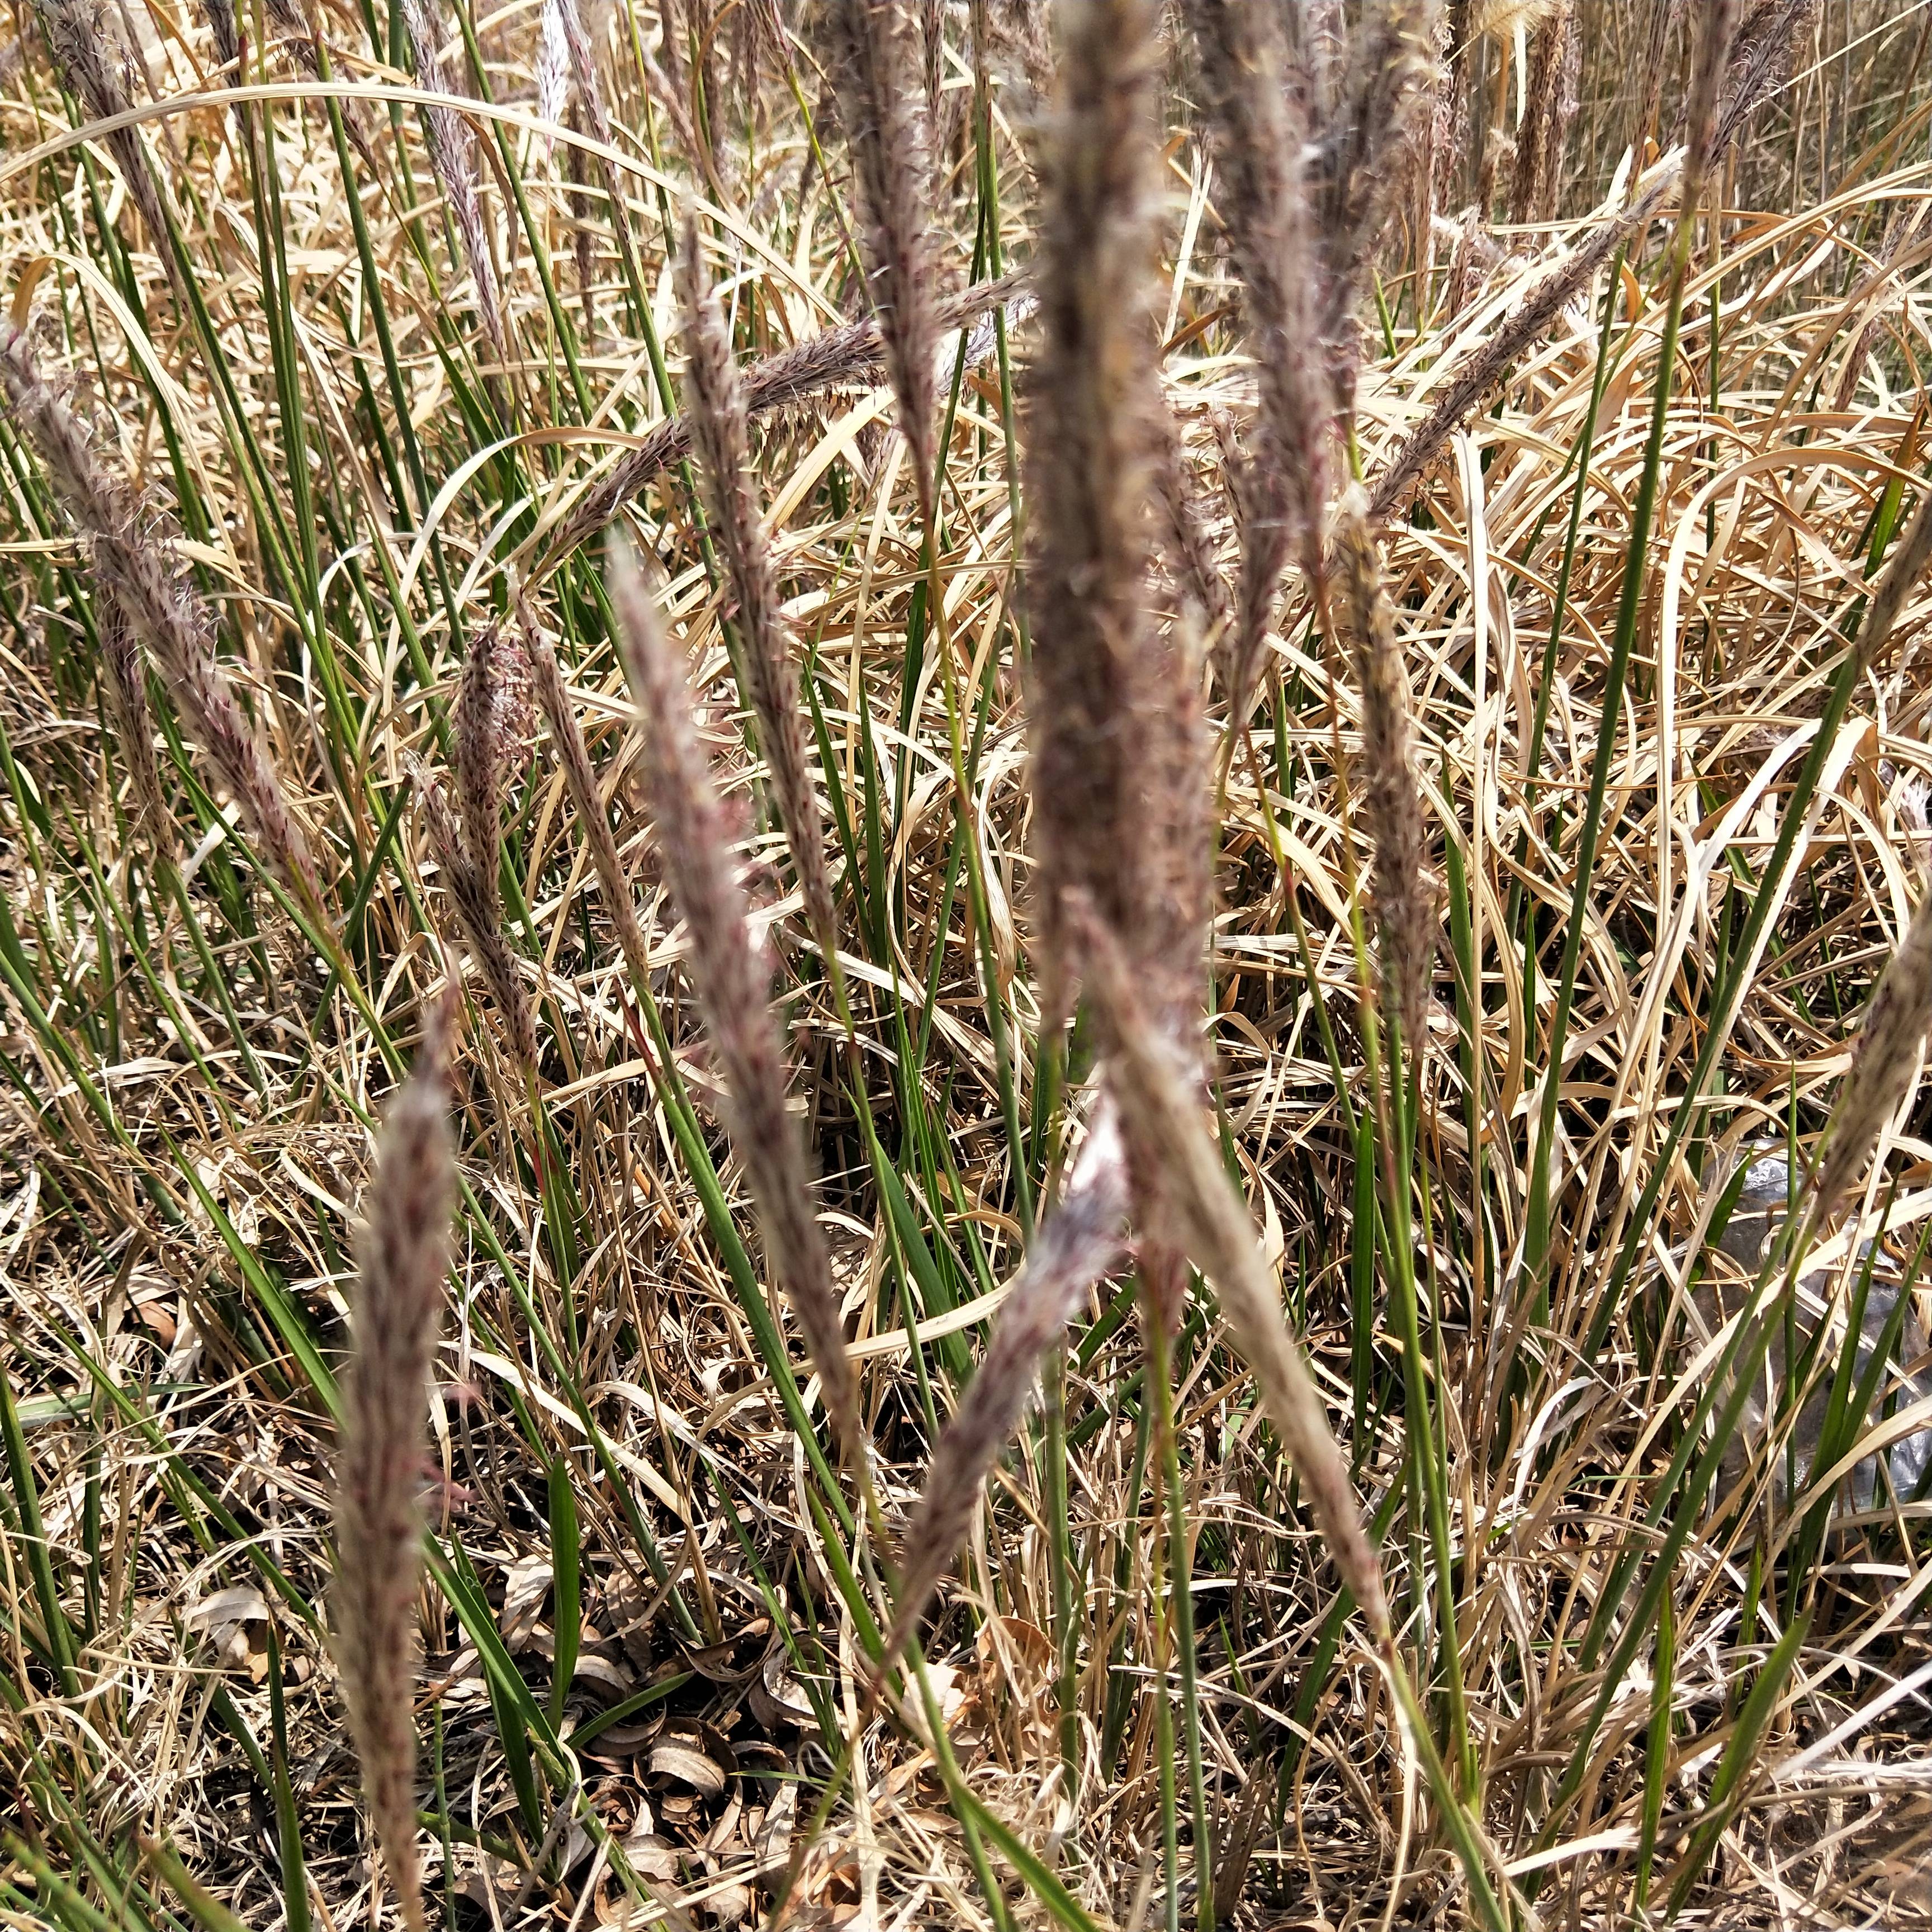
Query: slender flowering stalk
point(491, 716)
point(1751, 77)
point(854, 352)
point(1079, 1242)
point(590, 93)
point(1760, 60)
point(732, 973)
point(1118, 771)
point(722, 435)
point(137, 567)
point(869, 57)
point(452, 156)
point(1555, 54)
point(1529, 321)
point(1391, 802)
point(94, 58)
point(1165, 1132)
point(1884, 1064)
point(480, 914)
point(124, 682)
point(552, 68)
point(1388, 89)
point(1259, 136)
point(547, 685)
point(1718, 24)
point(1091, 456)
point(1191, 547)
point(403, 1256)
point(219, 15)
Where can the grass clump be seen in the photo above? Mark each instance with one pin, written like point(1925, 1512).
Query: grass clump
point(1175, 760)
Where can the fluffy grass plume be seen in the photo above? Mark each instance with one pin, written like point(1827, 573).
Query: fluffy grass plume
point(403, 1256)
point(452, 154)
point(847, 354)
point(489, 716)
point(1260, 136)
point(1391, 803)
point(1090, 454)
point(133, 554)
point(96, 62)
point(721, 433)
point(732, 972)
point(868, 55)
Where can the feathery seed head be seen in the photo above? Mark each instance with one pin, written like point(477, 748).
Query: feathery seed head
point(731, 972)
point(403, 1256)
point(1884, 1062)
point(1191, 547)
point(1390, 801)
point(868, 55)
point(721, 436)
point(1260, 132)
point(452, 157)
point(492, 730)
point(93, 56)
point(125, 680)
point(136, 563)
point(1389, 85)
point(479, 910)
point(554, 67)
point(1717, 23)
point(1091, 448)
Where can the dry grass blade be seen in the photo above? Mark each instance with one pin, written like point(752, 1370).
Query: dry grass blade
point(403, 1255)
point(722, 437)
point(1166, 1134)
point(732, 972)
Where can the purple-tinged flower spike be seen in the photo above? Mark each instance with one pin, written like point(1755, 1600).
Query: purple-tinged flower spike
point(732, 973)
point(403, 1256)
